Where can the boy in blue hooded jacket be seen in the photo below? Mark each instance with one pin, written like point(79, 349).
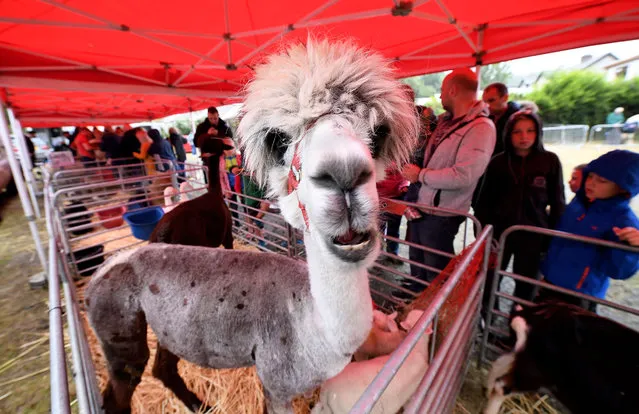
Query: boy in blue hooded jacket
point(601, 209)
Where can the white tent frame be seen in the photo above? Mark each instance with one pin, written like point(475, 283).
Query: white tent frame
point(22, 191)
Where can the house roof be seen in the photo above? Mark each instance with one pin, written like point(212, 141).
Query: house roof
point(591, 62)
point(622, 62)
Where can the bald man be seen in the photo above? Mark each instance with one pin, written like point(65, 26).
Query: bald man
point(455, 156)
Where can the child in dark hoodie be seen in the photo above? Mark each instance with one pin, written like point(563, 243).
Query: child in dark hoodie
point(601, 209)
point(520, 184)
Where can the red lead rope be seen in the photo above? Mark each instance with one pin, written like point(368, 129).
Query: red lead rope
point(294, 178)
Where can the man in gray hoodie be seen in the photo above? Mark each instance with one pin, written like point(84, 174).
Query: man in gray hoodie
point(455, 156)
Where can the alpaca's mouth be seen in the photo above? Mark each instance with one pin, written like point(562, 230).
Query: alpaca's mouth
point(352, 246)
point(352, 240)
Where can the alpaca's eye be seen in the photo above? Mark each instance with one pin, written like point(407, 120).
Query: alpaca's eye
point(276, 144)
point(380, 133)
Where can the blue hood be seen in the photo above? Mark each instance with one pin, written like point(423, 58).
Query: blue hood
point(619, 166)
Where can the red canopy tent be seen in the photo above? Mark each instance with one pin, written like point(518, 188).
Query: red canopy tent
point(98, 62)
point(65, 62)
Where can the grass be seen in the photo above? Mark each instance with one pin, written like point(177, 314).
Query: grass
point(24, 322)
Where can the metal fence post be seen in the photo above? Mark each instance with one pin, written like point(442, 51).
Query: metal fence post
point(25, 161)
point(22, 191)
point(292, 241)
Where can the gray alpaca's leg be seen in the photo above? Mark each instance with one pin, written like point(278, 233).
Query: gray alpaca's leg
point(275, 405)
point(165, 369)
point(277, 387)
point(126, 359)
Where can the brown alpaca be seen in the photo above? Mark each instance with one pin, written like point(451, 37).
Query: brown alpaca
point(205, 220)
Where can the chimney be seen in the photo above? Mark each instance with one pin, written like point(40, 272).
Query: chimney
point(586, 58)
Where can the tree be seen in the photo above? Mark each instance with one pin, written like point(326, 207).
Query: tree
point(576, 97)
point(435, 104)
point(498, 72)
point(183, 126)
point(625, 94)
point(426, 86)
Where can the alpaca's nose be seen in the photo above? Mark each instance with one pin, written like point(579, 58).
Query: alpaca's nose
point(343, 174)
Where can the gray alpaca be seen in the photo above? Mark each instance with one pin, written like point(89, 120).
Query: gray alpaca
point(319, 121)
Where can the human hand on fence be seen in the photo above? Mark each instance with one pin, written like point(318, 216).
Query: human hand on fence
point(628, 234)
point(411, 172)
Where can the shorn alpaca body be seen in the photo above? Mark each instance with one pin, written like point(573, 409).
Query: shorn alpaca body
point(205, 220)
point(589, 363)
point(318, 122)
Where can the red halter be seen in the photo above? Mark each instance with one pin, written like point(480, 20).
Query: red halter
point(294, 178)
point(295, 172)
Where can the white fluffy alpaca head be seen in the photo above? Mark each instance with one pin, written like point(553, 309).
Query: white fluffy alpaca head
point(341, 108)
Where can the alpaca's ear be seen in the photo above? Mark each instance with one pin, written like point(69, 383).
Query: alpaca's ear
point(397, 137)
point(380, 135)
point(276, 143)
point(263, 150)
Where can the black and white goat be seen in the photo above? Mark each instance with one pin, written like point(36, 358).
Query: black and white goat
point(589, 363)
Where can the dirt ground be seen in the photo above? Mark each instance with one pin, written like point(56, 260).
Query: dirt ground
point(24, 320)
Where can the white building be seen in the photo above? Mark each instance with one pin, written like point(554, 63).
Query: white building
point(623, 69)
point(598, 64)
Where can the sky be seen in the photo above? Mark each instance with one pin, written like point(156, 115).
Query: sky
point(567, 58)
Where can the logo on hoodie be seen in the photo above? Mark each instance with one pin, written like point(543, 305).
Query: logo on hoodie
point(539, 182)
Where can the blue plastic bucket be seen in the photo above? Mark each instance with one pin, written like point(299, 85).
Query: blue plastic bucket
point(143, 222)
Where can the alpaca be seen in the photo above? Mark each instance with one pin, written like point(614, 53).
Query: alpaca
point(186, 191)
point(170, 194)
point(205, 220)
point(588, 362)
point(340, 393)
point(382, 339)
point(318, 122)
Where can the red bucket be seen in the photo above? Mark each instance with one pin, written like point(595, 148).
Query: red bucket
point(111, 217)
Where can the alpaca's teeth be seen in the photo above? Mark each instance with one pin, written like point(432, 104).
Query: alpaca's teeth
point(352, 247)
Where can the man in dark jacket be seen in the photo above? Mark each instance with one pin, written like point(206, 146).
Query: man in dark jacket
point(523, 186)
point(177, 142)
point(212, 125)
point(496, 96)
point(110, 143)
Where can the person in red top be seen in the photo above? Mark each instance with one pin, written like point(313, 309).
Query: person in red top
point(82, 144)
point(394, 186)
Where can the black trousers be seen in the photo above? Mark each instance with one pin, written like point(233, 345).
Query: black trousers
point(551, 295)
point(526, 249)
point(436, 232)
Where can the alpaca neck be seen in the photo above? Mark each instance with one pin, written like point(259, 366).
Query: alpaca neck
point(215, 187)
point(341, 294)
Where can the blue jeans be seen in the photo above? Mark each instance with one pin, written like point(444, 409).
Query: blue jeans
point(436, 232)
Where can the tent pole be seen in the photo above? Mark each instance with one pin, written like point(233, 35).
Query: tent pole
point(479, 56)
point(25, 160)
point(191, 118)
point(22, 191)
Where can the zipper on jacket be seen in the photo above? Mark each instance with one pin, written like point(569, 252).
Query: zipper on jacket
point(584, 275)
